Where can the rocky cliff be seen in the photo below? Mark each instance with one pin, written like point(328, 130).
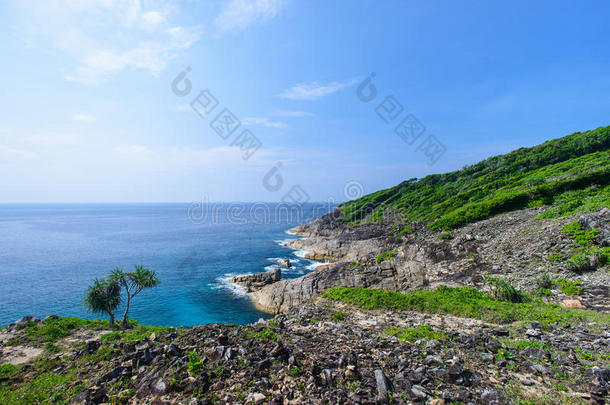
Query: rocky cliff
point(515, 246)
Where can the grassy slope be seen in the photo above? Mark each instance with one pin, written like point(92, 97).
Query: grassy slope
point(572, 173)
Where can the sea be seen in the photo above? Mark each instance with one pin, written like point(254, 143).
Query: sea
point(51, 253)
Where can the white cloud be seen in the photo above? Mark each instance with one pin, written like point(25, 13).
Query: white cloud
point(238, 15)
point(101, 38)
point(263, 122)
point(19, 153)
point(293, 114)
point(53, 138)
point(315, 90)
point(83, 117)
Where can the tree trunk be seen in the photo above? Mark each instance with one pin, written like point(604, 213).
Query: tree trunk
point(111, 319)
point(125, 323)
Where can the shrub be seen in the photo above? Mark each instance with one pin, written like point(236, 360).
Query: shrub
point(544, 281)
point(384, 256)
point(555, 257)
point(446, 235)
point(463, 301)
point(579, 263)
point(353, 265)
point(579, 234)
point(504, 290)
point(569, 287)
point(338, 316)
point(406, 229)
point(413, 334)
point(195, 364)
point(264, 333)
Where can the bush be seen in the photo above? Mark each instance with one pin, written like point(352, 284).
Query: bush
point(579, 263)
point(580, 235)
point(195, 364)
point(569, 287)
point(413, 334)
point(338, 316)
point(463, 301)
point(384, 256)
point(447, 235)
point(504, 290)
point(544, 281)
point(555, 257)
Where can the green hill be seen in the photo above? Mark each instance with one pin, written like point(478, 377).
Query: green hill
point(569, 174)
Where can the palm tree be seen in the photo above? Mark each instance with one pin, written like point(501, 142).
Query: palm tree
point(103, 297)
point(134, 283)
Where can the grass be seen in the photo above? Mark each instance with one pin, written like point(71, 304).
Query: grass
point(413, 334)
point(504, 290)
point(570, 174)
point(569, 287)
point(382, 257)
point(580, 235)
point(51, 330)
point(137, 332)
point(264, 333)
point(465, 302)
point(555, 257)
point(338, 316)
point(353, 265)
point(195, 364)
point(47, 388)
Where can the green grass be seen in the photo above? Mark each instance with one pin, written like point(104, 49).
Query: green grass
point(569, 287)
point(413, 334)
point(264, 333)
point(353, 265)
point(555, 257)
point(382, 257)
point(137, 332)
point(338, 316)
point(47, 388)
point(504, 290)
point(446, 235)
point(195, 364)
point(570, 174)
point(580, 235)
point(52, 330)
point(465, 302)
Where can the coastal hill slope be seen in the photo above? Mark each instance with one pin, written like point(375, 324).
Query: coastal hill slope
point(517, 216)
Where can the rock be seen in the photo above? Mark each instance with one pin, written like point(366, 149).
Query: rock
point(383, 387)
point(152, 337)
point(572, 303)
point(159, 387)
point(255, 398)
point(491, 397)
point(501, 331)
point(255, 282)
point(418, 392)
point(284, 263)
point(535, 333)
point(526, 381)
point(540, 369)
point(174, 350)
point(433, 360)
point(50, 317)
point(92, 346)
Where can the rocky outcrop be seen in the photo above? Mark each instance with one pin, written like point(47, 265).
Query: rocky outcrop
point(284, 263)
point(514, 245)
point(254, 282)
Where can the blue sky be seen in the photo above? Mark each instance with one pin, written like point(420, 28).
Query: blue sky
point(88, 114)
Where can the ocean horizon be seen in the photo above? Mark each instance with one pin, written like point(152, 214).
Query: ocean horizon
point(50, 254)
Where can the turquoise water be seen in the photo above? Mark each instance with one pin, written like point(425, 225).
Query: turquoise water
point(49, 254)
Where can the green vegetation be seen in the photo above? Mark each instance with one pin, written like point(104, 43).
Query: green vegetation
point(504, 290)
point(136, 332)
point(571, 173)
point(338, 316)
point(195, 364)
point(580, 235)
point(446, 235)
point(382, 257)
point(544, 281)
point(465, 302)
point(404, 230)
point(569, 287)
point(134, 283)
point(51, 330)
point(555, 257)
point(104, 296)
point(47, 388)
point(264, 333)
point(413, 334)
point(353, 265)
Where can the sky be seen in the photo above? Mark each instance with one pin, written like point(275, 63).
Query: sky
point(296, 100)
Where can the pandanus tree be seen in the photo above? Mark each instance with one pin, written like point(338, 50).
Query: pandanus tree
point(103, 297)
point(134, 283)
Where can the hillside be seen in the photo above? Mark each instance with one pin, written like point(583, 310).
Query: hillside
point(572, 173)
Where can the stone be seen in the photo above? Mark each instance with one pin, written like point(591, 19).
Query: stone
point(254, 282)
point(383, 387)
point(491, 397)
point(255, 398)
point(92, 346)
point(284, 263)
point(159, 387)
point(572, 303)
point(535, 333)
point(174, 350)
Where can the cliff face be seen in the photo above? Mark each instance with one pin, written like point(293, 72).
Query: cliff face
point(514, 245)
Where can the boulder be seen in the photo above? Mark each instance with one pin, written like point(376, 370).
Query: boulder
point(284, 263)
point(255, 282)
